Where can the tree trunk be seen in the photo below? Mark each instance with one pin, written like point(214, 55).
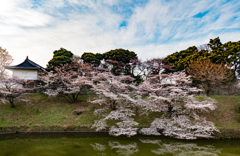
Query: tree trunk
point(11, 104)
point(113, 105)
point(170, 107)
point(207, 92)
point(74, 98)
point(234, 78)
point(206, 87)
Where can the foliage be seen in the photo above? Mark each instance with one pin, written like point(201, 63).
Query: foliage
point(60, 57)
point(215, 44)
point(119, 60)
point(227, 54)
point(232, 50)
point(69, 81)
point(120, 55)
point(5, 60)
point(178, 59)
point(91, 58)
point(208, 73)
point(99, 56)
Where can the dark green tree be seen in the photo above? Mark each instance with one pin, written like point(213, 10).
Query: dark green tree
point(120, 55)
point(123, 58)
point(215, 44)
point(178, 59)
point(227, 54)
point(99, 56)
point(217, 52)
point(60, 57)
point(232, 54)
point(94, 59)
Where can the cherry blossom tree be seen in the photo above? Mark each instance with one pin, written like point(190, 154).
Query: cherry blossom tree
point(11, 90)
point(148, 68)
point(155, 66)
point(173, 96)
point(169, 94)
point(69, 81)
point(114, 93)
point(5, 60)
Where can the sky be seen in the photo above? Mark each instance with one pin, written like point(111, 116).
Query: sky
point(150, 28)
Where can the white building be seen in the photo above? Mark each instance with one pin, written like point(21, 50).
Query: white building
point(27, 70)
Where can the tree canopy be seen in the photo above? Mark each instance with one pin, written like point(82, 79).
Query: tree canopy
point(120, 59)
point(92, 58)
point(120, 55)
point(209, 74)
point(228, 54)
point(232, 54)
point(60, 57)
point(176, 59)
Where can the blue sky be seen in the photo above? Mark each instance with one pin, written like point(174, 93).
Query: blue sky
point(150, 28)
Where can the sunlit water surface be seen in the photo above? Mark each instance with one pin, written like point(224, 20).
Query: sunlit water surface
point(101, 144)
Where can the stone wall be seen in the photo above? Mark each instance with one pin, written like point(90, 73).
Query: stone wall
point(225, 89)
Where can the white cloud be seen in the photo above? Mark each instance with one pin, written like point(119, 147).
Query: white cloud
point(14, 13)
point(155, 30)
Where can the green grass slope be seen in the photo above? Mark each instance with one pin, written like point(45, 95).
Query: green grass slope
point(41, 110)
point(44, 111)
point(224, 116)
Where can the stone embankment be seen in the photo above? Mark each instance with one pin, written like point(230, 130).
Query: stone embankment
point(225, 89)
point(225, 134)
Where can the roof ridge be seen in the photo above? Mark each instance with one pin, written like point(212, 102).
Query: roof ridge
point(34, 64)
point(31, 65)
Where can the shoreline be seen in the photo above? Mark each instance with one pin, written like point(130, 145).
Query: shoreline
point(225, 133)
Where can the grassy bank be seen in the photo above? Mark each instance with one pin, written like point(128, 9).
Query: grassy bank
point(43, 111)
point(224, 115)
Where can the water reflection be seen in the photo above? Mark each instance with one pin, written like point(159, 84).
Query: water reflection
point(100, 144)
point(127, 149)
point(182, 149)
point(98, 147)
point(121, 149)
point(160, 148)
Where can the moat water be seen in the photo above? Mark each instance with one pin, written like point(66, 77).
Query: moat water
point(101, 144)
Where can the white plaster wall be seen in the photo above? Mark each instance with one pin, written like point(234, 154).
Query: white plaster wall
point(25, 74)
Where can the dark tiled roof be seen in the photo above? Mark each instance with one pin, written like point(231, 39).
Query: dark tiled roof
point(27, 64)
